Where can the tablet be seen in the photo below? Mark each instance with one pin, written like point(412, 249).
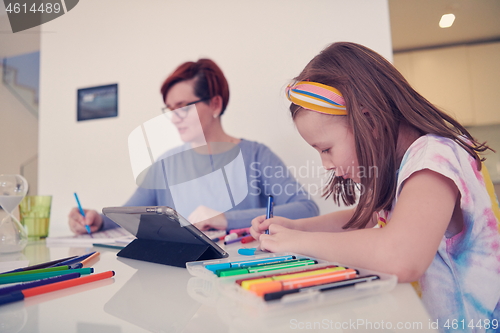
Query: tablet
point(164, 233)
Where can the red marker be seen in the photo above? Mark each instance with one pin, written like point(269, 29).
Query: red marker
point(22, 294)
point(240, 232)
point(247, 239)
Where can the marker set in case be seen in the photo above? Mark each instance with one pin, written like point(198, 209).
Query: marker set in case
point(287, 280)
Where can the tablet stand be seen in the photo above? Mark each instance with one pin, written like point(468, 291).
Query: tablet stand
point(163, 236)
point(167, 253)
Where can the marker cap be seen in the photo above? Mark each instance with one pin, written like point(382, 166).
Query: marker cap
point(230, 237)
point(216, 267)
point(12, 297)
point(246, 284)
point(247, 252)
point(232, 272)
point(247, 239)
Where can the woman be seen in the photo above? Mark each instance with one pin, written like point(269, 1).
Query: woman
point(196, 95)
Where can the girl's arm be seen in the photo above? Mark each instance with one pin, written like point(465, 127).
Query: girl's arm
point(405, 247)
point(332, 222)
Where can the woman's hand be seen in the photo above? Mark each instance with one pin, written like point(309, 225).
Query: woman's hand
point(206, 218)
point(260, 224)
point(77, 222)
point(281, 239)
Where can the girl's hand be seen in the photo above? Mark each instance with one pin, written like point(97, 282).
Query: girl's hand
point(281, 239)
point(260, 224)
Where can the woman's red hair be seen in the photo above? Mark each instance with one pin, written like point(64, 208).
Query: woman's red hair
point(210, 81)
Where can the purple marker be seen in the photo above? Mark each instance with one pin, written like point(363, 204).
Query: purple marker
point(74, 260)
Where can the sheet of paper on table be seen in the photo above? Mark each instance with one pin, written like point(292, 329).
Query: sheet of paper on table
point(109, 236)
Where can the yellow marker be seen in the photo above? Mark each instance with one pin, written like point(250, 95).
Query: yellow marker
point(246, 284)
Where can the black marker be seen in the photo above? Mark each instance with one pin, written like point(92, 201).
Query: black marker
point(321, 287)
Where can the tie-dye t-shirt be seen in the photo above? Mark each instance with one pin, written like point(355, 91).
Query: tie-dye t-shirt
point(463, 280)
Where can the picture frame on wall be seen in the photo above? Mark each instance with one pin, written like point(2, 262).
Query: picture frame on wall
point(97, 102)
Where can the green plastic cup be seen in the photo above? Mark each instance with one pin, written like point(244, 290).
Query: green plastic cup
point(34, 212)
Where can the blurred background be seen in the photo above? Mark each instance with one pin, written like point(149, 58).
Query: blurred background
point(260, 46)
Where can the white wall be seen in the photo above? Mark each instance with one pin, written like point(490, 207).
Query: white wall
point(462, 80)
point(259, 44)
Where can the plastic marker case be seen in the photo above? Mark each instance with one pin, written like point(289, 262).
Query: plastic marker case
point(230, 288)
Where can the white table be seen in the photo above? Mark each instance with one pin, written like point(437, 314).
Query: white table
point(147, 297)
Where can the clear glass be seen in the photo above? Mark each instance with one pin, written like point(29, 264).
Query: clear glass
point(13, 236)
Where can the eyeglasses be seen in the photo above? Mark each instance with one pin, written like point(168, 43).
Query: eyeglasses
point(181, 112)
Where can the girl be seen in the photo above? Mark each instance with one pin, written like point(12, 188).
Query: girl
point(424, 210)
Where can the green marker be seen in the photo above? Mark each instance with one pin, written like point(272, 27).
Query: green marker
point(265, 268)
point(282, 266)
point(36, 271)
point(44, 275)
point(245, 268)
point(110, 246)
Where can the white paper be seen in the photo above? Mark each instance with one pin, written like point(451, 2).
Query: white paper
point(103, 237)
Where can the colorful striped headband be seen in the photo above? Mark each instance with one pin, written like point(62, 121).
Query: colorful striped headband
point(317, 97)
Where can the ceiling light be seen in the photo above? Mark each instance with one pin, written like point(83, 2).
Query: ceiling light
point(446, 20)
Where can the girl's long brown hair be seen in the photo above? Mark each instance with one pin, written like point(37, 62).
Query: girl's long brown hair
point(368, 82)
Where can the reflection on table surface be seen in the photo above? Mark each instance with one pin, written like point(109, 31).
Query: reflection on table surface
point(147, 297)
point(156, 298)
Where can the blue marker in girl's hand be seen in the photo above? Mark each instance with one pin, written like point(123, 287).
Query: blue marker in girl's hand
point(269, 212)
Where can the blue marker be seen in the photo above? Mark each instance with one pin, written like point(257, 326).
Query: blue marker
point(269, 211)
point(87, 227)
point(250, 251)
point(246, 263)
point(72, 261)
point(37, 283)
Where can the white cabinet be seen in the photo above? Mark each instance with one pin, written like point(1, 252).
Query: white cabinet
point(461, 80)
point(484, 65)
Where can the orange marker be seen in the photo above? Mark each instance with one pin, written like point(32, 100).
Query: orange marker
point(90, 258)
point(273, 286)
point(289, 276)
point(66, 284)
point(21, 294)
point(306, 269)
